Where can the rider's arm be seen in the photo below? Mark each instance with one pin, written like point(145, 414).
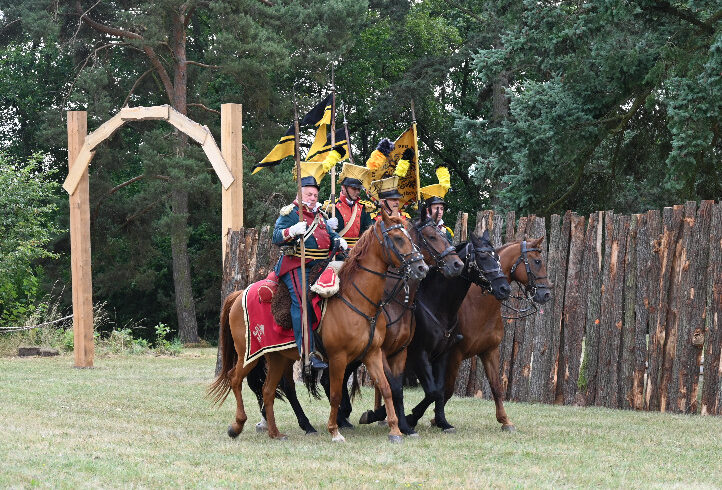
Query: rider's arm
point(283, 223)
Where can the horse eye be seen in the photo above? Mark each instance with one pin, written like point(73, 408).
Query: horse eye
point(537, 261)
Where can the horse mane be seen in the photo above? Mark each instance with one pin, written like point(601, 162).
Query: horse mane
point(352, 263)
point(507, 245)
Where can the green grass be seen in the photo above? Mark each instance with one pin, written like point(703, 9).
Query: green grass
point(143, 421)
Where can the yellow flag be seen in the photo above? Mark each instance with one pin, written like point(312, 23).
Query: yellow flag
point(408, 185)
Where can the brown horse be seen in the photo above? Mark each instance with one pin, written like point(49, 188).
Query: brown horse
point(349, 329)
point(481, 324)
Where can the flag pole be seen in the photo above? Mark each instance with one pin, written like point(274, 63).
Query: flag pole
point(304, 314)
point(416, 154)
point(345, 128)
point(333, 142)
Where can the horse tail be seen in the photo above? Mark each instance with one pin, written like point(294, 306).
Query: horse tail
point(355, 385)
point(219, 389)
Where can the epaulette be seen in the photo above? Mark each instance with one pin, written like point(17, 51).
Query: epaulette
point(368, 205)
point(451, 232)
point(406, 215)
point(326, 206)
point(286, 210)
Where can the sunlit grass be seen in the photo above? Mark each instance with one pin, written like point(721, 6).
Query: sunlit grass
point(144, 421)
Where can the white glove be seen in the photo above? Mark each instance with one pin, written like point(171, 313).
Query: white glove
point(342, 243)
point(332, 223)
point(297, 229)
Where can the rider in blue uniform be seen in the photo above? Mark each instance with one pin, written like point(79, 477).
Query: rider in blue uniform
point(318, 239)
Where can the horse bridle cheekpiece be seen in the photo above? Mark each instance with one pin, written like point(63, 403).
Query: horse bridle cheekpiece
point(438, 257)
point(531, 278)
point(405, 260)
point(482, 280)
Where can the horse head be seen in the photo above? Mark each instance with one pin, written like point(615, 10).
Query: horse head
point(434, 246)
point(400, 251)
point(484, 265)
point(528, 269)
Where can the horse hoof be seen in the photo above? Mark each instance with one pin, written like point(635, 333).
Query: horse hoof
point(366, 417)
point(311, 432)
point(281, 437)
point(345, 424)
point(382, 422)
point(450, 430)
point(232, 433)
point(432, 422)
point(508, 428)
point(338, 438)
point(413, 434)
point(395, 439)
point(261, 426)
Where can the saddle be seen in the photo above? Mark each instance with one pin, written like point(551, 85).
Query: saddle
point(326, 285)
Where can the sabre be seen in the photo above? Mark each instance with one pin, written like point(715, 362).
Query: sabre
point(333, 142)
point(345, 128)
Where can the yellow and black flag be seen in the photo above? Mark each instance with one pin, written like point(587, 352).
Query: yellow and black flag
point(320, 115)
point(318, 152)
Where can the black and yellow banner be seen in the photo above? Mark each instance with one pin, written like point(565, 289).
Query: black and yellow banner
point(319, 116)
point(318, 153)
point(409, 184)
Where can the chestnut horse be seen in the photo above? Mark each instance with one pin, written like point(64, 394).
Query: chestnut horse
point(481, 324)
point(398, 315)
point(349, 330)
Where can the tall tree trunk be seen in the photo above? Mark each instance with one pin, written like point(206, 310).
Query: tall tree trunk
point(184, 303)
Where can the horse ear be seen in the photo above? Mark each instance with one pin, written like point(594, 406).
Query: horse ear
point(537, 242)
point(486, 236)
point(384, 214)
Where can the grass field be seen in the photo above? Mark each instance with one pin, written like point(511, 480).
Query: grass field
point(143, 421)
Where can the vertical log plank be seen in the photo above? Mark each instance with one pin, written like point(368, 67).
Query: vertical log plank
point(592, 267)
point(558, 278)
point(712, 385)
point(574, 313)
point(664, 248)
point(627, 358)
point(80, 256)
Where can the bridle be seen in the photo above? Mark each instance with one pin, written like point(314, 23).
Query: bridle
point(531, 279)
point(480, 275)
point(406, 260)
point(437, 256)
point(529, 289)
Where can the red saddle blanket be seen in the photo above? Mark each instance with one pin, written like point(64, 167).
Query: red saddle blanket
point(263, 334)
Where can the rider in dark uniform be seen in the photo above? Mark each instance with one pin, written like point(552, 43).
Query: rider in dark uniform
point(435, 205)
point(318, 239)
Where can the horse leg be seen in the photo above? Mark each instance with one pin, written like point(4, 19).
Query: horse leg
point(439, 369)
point(256, 377)
point(277, 365)
point(374, 365)
point(336, 371)
point(345, 406)
point(422, 368)
point(236, 376)
point(490, 359)
point(452, 371)
point(288, 386)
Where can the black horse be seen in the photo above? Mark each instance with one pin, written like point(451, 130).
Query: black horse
point(438, 300)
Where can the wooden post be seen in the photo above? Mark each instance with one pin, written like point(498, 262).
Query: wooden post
point(464, 227)
point(80, 265)
point(712, 386)
point(592, 267)
point(232, 149)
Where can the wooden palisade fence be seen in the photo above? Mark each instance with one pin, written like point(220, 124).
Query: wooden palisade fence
point(637, 305)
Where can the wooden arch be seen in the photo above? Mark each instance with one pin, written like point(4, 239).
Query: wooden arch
point(81, 149)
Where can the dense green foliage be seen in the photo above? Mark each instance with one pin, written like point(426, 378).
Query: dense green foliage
point(26, 228)
point(536, 107)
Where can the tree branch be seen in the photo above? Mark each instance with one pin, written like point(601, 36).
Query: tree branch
point(203, 65)
point(266, 2)
point(448, 161)
point(205, 108)
point(144, 210)
point(113, 31)
point(85, 62)
point(120, 186)
point(132, 89)
point(684, 14)
point(465, 10)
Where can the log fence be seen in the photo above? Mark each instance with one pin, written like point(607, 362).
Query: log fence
point(634, 321)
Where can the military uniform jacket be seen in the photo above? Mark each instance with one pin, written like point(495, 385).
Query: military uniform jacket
point(317, 242)
point(361, 222)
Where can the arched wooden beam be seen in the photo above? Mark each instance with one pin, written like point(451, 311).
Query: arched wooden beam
point(195, 131)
